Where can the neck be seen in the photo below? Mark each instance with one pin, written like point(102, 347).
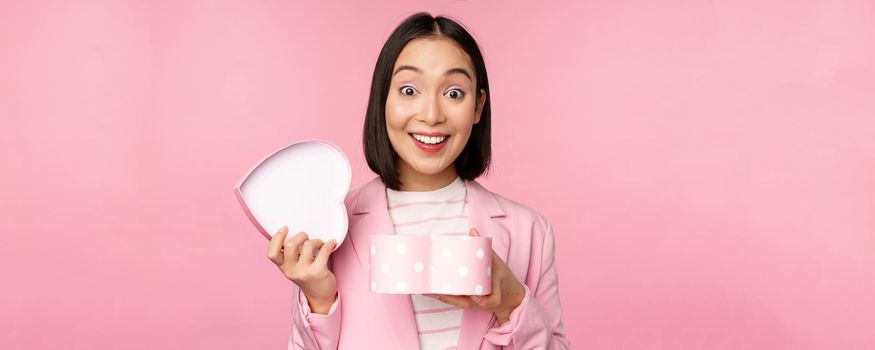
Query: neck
point(414, 181)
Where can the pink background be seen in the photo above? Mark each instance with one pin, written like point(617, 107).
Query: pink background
point(709, 167)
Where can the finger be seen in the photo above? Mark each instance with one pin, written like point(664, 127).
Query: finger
point(290, 248)
point(482, 300)
point(324, 253)
point(494, 296)
point(307, 250)
point(498, 272)
point(275, 248)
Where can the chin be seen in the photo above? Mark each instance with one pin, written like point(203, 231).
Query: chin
point(429, 169)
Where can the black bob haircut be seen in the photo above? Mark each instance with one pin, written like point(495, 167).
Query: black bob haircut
point(474, 159)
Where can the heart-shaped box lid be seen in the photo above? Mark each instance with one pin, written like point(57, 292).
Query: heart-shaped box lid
point(302, 186)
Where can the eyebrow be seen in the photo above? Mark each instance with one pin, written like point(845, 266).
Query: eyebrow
point(448, 72)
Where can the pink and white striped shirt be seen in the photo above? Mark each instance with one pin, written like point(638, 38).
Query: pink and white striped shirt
point(438, 212)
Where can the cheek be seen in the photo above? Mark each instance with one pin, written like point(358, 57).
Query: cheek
point(462, 115)
point(397, 114)
point(394, 121)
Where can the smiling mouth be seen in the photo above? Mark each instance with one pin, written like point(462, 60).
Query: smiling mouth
point(429, 140)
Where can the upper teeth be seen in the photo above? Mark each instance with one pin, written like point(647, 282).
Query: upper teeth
point(429, 139)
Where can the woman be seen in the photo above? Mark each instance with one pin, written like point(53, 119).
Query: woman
point(427, 135)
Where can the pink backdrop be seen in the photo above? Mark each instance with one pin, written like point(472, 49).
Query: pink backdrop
point(709, 167)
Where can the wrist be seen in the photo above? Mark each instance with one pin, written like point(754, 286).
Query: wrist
point(502, 317)
point(517, 299)
point(320, 305)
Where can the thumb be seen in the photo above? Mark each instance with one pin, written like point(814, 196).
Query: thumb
point(473, 232)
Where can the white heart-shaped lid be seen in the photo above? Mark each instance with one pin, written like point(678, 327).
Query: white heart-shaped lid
point(301, 186)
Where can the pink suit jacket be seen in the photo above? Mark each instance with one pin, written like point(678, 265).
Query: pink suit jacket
point(361, 319)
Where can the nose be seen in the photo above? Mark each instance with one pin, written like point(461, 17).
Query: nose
point(431, 112)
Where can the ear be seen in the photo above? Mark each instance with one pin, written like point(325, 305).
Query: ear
point(478, 109)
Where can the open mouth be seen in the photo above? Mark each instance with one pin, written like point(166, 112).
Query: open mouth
point(429, 142)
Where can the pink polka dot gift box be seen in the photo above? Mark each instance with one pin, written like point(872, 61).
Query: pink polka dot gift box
point(302, 186)
point(439, 264)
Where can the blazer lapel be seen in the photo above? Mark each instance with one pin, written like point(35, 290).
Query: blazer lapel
point(371, 217)
point(372, 214)
point(483, 213)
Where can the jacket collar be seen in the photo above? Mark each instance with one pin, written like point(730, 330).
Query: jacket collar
point(371, 216)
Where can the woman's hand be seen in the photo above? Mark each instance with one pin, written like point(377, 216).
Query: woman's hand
point(296, 259)
point(507, 291)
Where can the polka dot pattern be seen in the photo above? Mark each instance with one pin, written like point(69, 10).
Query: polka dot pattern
point(463, 271)
point(441, 264)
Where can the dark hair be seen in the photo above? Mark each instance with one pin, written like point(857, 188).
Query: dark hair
point(474, 159)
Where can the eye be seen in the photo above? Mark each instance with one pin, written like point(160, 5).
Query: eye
point(408, 90)
point(455, 94)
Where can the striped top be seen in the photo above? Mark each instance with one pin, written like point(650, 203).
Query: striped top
point(438, 212)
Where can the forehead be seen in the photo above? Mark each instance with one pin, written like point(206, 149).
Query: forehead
point(433, 55)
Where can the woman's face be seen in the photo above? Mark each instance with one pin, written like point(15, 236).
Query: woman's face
point(431, 109)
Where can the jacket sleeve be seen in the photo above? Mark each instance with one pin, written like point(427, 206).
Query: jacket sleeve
point(537, 322)
point(314, 331)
